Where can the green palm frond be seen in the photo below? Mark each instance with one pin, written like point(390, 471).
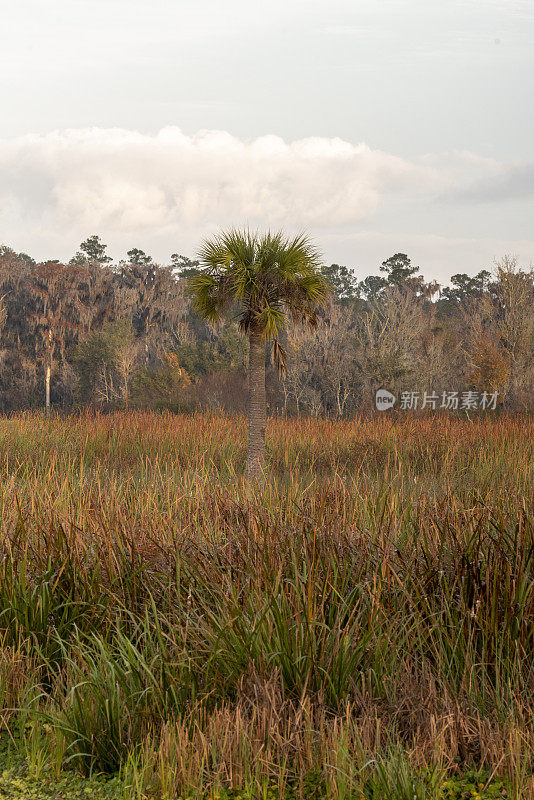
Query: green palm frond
point(204, 292)
point(269, 276)
point(271, 320)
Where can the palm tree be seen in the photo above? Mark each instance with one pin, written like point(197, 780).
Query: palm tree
point(266, 277)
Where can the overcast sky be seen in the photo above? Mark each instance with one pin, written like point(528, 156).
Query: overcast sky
point(377, 125)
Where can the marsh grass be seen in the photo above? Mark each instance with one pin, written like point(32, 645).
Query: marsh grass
point(362, 627)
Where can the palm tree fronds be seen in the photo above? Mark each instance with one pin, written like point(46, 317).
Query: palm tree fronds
point(271, 276)
point(205, 296)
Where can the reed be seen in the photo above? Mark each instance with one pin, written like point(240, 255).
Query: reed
point(361, 627)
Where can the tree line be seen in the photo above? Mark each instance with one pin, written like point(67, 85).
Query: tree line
point(94, 332)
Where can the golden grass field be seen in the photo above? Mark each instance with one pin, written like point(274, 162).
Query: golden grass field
point(362, 626)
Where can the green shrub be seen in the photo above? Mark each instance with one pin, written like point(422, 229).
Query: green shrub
point(474, 785)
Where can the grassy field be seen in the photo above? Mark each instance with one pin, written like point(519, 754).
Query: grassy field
point(362, 627)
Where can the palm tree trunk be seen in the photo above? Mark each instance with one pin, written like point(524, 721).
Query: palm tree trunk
point(256, 407)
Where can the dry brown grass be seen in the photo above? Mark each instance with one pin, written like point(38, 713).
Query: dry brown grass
point(376, 598)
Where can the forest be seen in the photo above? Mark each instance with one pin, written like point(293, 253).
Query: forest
point(92, 332)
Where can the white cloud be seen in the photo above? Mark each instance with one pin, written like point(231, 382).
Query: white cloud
point(164, 191)
point(515, 182)
point(119, 179)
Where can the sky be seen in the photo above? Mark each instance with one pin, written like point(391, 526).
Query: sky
point(377, 126)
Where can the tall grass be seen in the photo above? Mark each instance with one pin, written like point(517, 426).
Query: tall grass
point(361, 627)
